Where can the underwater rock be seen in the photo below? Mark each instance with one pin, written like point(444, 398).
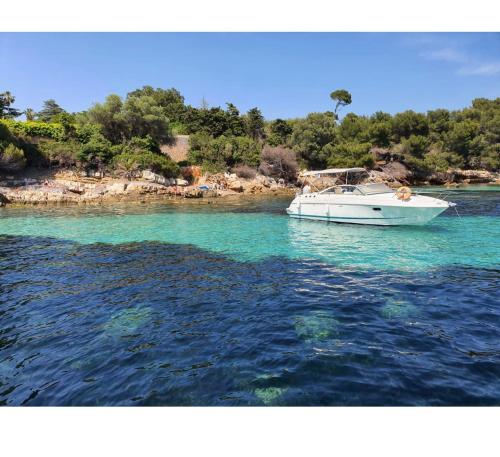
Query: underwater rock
point(401, 309)
point(127, 321)
point(269, 395)
point(317, 326)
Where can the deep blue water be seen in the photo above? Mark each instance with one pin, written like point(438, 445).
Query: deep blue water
point(233, 303)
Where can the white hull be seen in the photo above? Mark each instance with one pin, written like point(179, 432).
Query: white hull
point(366, 215)
point(384, 209)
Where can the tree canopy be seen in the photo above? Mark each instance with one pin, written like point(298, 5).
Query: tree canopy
point(50, 111)
point(133, 128)
point(6, 109)
point(341, 97)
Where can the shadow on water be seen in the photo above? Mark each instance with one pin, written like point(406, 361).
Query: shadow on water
point(153, 323)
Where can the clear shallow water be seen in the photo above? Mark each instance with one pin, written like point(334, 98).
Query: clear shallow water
point(233, 303)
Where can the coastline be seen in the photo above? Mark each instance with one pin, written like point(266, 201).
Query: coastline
point(69, 188)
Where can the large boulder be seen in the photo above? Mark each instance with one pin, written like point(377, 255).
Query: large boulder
point(148, 175)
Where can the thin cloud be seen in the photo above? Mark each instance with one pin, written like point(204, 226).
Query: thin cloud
point(446, 55)
point(466, 64)
point(487, 69)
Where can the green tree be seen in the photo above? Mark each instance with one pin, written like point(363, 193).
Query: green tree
point(144, 117)
point(439, 121)
point(96, 153)
point(255, 123)
point(6, 110)
point(379, 134)
point(281, 131)
point(439, 160)
point(30, 114)
point(409, 123)
point(236, 124)
point(170, 100)
point(311, 135)
point(109, 117)
point(213, 121)
point(350, 154)
point(415, 145)
point(354, 128)
point(341, 97)
point(461, 136)
point(49, 111)
point(223, 152)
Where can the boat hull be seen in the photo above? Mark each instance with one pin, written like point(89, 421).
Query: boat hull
point(365, 214)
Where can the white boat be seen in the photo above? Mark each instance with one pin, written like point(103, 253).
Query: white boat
point(372, 204)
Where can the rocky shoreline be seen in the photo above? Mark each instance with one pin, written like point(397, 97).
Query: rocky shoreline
point(68, 187)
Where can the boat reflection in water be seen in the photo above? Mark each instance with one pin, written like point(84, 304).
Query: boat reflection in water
point(405, 248)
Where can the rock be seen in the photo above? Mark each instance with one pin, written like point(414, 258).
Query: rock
point(438, 178)
point(396, 171)
point(150, 176)
point(181, 182)
point(116, 188)
point(235, 185)
point(474, 176)
point(193, 193)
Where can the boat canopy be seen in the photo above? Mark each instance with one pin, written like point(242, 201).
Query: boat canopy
point(332, 171)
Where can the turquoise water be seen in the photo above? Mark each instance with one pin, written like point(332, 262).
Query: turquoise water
point(232, 303)
point(249, 233)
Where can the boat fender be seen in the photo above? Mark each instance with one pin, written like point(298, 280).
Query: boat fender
point(403, 193)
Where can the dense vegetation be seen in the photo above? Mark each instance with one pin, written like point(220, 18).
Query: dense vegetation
point(123, 136)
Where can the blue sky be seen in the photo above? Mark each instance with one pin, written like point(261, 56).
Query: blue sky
point(285, 74)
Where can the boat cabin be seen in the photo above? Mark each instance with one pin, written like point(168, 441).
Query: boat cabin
point(361, 189)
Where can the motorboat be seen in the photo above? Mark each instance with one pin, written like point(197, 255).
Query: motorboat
point(371, 204)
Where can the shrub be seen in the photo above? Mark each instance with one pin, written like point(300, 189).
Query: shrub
point(279, 162)
point(129, 162)
point(12, 158)
point(60, 154)
point(86, 131)
point(244, 171)
point(35, 129)
point(5, 134)
point(222, 152)
point(96, 152)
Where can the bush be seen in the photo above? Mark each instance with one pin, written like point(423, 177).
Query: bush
point(96, 153)
point(244, 171)
point(86, 131)
point(350, 155)
point(222, 152)
point(128, 162)
point(35, 129)
point(12, 158)
point(60, 154)
point(5, 134)
point(279, 162)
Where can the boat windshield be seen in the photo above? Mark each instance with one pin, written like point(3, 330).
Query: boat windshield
point(370, 189)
